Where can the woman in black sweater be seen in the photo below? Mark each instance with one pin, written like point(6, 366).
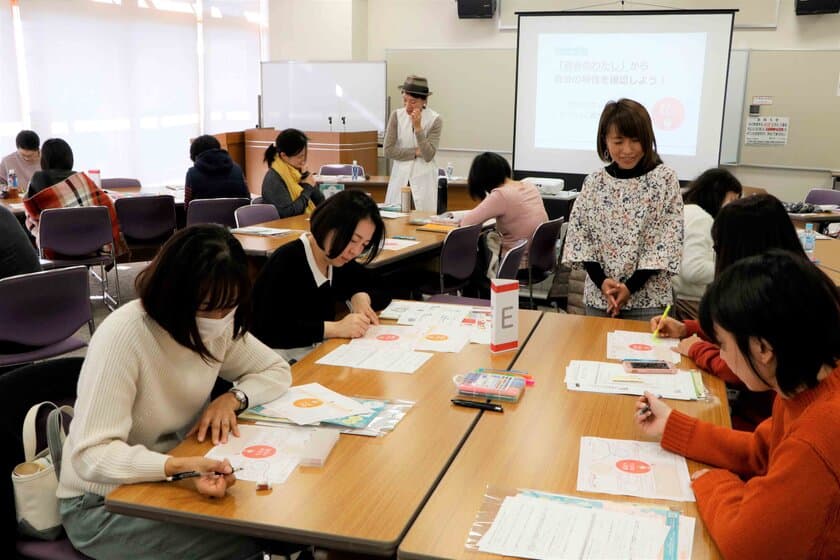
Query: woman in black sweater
point(296, 294)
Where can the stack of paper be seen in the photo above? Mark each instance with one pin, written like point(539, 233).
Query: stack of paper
point(394, 244)
point(370, 356)
point(311, 403)
point(629, 345)
point(606, 377)
point(632, 468)
point(261, 231)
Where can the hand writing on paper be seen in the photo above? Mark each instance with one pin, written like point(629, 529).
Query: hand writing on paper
point(684, 347)
point(353, 325)
point(360, 303)
point(209, 484)
point(219, 418)
point(652, 414)
point(669, 328)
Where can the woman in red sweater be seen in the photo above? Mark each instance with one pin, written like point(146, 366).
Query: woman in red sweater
point(774, 493)
point(742, 228)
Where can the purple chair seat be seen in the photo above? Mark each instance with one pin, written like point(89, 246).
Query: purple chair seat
point(459, 300)
point(62, 347)
point(49, 550)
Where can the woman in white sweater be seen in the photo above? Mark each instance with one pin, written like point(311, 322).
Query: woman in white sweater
point(146, 384)
point(702, 201)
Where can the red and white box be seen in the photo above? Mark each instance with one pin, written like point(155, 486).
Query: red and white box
point(504, 302)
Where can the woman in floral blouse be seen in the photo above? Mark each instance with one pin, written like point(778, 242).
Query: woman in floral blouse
point(626, 226)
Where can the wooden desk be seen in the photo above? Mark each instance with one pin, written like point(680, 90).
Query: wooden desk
point(827, 253)
point(536, 443)
point(370, 489)
point(458, 197)
point(429, 242)
point(14, 204)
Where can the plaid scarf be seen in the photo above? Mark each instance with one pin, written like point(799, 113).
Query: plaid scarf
point(77, 190)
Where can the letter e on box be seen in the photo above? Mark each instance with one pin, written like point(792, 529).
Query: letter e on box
point(504, 302)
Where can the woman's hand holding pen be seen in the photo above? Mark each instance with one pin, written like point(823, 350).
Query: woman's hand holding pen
point(219, 475)
point(353, 325)
point(219, 418)
point(652, 414)
point(668, 328)
point(360, 303)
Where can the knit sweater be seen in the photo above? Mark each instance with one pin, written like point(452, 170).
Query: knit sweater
point(214, 175)
point(776, 491)
point(140, 392)
point(290, 307)
point(518, 209)
point(23, 169)
point(697, 269)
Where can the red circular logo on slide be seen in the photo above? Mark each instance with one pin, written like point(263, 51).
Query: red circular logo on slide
point(633, 466)
point(668, 114)
point(258, 451)
point(641, 347)
point(387, 337)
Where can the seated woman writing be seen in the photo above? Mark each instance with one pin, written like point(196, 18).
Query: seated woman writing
point(296, 294)
point(517, 207)
point(772, 493)
point(287, 184)
point(743, 228)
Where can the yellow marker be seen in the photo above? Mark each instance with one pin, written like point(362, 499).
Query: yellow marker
point(664, 315)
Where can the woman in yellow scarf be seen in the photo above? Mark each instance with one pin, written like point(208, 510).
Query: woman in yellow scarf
point(287, 184)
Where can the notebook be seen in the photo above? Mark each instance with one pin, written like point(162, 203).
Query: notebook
point(438, 228)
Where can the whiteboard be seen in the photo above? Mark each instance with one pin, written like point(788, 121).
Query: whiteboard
point(736, 87)
point(306, 95)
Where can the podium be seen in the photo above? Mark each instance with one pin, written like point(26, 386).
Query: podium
point(247, 149)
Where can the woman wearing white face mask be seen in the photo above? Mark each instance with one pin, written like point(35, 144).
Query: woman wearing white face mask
point(145, 384)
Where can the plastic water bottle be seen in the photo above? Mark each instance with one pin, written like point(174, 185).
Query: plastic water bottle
point(12, 180)
point(809, 240)
point(355, 170)
point(450, 171)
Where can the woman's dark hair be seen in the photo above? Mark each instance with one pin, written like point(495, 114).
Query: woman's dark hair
point(419, 96)
point(710, 188)
point(750, 226)
point(785, 300)
point(201, 267)
point(56, 154)
point(339, 215)
point(27, 140)
point(202, 144)
point(291, 142)
point(488, 171)
point(631, 120)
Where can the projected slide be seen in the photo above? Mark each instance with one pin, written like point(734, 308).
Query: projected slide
point(577, 73)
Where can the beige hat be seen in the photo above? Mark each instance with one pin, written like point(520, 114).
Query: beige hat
point(416, 85)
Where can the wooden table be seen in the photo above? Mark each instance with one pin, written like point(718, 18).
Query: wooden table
point(429, 241)
point(827, 253)
point(458, 196)
point(370, 489)
point(535, 443)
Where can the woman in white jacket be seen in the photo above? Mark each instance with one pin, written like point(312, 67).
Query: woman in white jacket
point(702, 201)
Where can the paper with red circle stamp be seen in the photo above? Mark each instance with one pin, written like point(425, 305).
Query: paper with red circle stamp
point(630, 345)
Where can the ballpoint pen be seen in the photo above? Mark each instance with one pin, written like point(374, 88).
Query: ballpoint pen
point(196, 474)
point(476, 404)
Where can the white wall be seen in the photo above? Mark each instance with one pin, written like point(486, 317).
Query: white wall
point(310, 29)
point(416, 24)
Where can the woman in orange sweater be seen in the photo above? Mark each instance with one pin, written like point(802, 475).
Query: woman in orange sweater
point(743, 228)
point(773, 493)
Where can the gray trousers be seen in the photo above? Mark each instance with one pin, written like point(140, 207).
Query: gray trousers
point(102, 534)
point(641, 314)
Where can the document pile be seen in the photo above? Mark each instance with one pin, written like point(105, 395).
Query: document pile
point(606, 377)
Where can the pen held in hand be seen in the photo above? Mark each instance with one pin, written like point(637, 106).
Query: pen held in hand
point(196, 474)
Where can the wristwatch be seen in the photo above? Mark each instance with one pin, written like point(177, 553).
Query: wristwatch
point(240, 396)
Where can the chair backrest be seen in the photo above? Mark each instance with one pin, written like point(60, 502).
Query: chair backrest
point(146, 217)
point(459, 252)
point(214, 211)
point(75, 231)
point(43, 308)
point(340, 169)
point(509, 267)
point(823, 196)
point(542, 252)
point(255, 214)
point(120, 183)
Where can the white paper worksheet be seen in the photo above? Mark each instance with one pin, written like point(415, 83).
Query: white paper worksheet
point(263, 454)
point(392, 244)
point(310, 403)
point(609, 377)
point(529, 527)
point(632, 468)
point(371, 356)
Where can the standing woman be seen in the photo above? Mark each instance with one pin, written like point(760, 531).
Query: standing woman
point(772, 493)
point(706, 195)
point(288, 185)
point(146, 384)
point(626, 227)
point(411, 140)
point(296, 294)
